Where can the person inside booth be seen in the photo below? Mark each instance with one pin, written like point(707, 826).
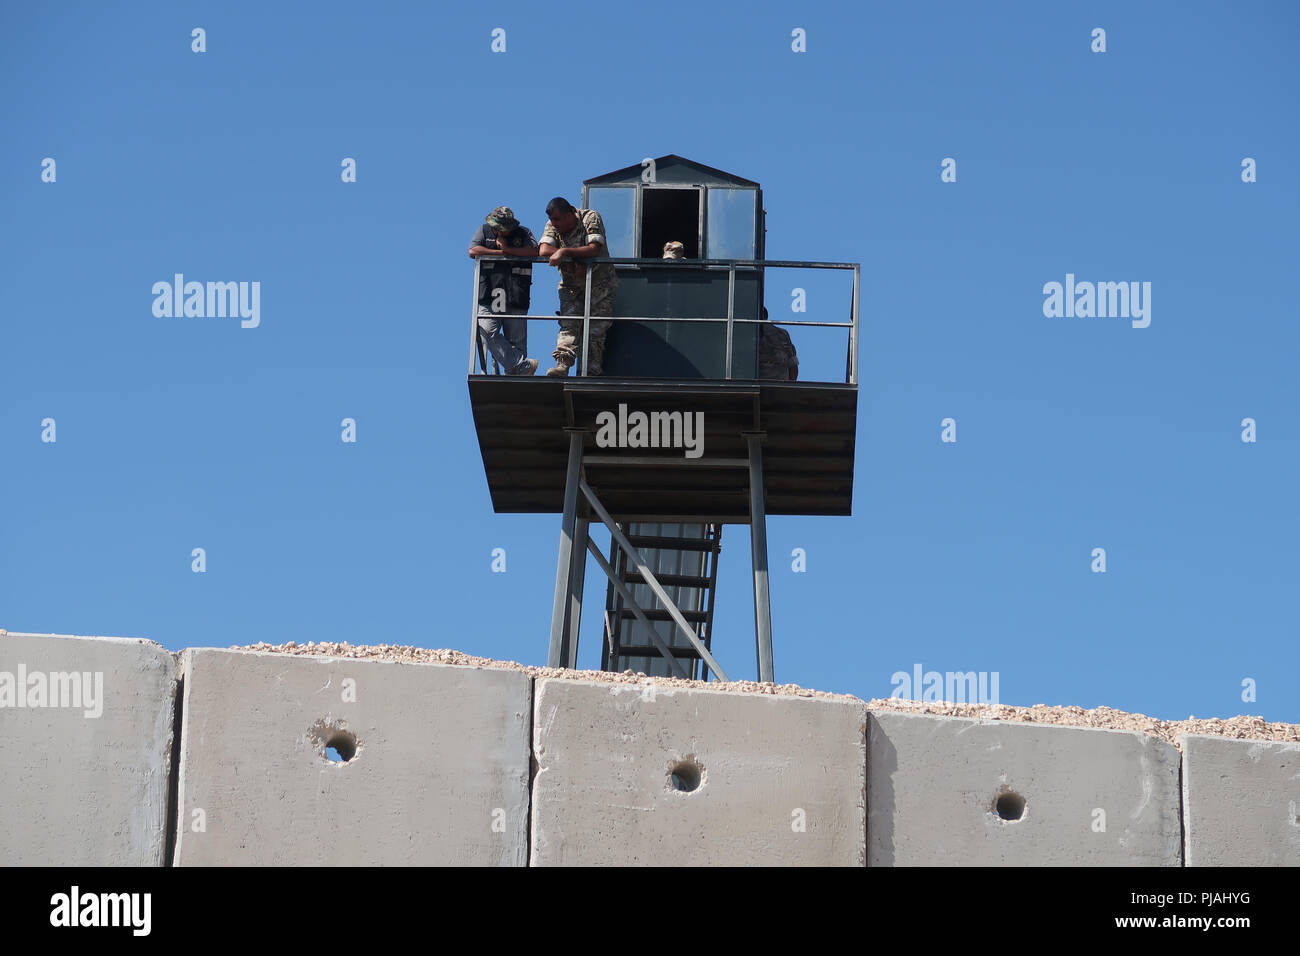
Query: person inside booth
point(777, 358)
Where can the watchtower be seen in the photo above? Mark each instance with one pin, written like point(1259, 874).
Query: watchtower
point(680, 436)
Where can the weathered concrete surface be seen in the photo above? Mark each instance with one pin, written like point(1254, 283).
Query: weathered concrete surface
point(782, 779)
point(78, 789)
point(440, 773)
point(933, 783)
point(1241, 802)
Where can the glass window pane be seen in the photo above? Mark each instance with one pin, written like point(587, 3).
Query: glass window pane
point(615, 205)
point(731, 224)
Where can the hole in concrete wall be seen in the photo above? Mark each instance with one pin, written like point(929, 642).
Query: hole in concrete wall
point(333, 741)
point(685, 775)
point(340, 747)
point(1009, 805)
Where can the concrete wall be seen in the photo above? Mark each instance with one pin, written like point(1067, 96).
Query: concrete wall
point(760, 780)
point(84, 773)
point(439, 775)
point(956, 791)
point(1241, 802)
point(441, 763)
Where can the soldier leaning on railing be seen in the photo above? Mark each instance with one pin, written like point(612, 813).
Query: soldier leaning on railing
point(573, 234)
point(504, 289)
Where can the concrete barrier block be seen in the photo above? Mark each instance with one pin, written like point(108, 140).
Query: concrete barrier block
point(639, 774)
point(1241, 801)
point(956, 791)
point(432, 765)
point(85, 750)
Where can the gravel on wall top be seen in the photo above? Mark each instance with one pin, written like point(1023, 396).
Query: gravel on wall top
point(1106, 718)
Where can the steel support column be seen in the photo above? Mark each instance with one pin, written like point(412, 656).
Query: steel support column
point(577, 578)
point(758, 547)
point(564, 569)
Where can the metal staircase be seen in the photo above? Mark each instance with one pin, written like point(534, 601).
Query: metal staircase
point(684, 560)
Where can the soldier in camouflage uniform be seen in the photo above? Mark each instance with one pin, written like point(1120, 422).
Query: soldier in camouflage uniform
point(573, 234)
point(777, 358)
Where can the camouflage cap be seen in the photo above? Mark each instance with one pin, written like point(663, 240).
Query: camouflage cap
point(503, 217)
point(674, 250)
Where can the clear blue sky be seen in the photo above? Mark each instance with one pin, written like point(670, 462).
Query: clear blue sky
point(1073, 433)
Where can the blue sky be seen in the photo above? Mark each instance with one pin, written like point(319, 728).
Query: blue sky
point(1073, 433)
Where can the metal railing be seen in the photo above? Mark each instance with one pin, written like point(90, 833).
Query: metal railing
point(732, 266)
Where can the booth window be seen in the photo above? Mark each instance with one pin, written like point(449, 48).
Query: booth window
point(732, 216)
point(617, 208)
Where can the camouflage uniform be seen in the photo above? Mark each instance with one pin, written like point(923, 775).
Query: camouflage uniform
point(573, 276)
point(777, 358)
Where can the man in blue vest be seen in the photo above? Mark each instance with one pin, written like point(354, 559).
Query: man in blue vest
point(504, 288)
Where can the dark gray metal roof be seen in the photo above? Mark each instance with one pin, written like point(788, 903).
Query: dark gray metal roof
point(673, 169)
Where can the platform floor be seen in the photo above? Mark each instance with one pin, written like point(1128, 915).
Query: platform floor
point(808, 446)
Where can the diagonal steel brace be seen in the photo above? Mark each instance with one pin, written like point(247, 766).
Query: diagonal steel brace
point(648, 577)
point(655, 639)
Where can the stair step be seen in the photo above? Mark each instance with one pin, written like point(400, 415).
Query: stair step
point(649, 650)
point(671, 544)
point(659, 614)
point(670, 580)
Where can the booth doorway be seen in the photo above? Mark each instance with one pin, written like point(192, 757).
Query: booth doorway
point(670, 215)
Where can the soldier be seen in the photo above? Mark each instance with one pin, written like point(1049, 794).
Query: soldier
point(674, 250)
point(777, 358)
point(504, 289)
point(572, 234)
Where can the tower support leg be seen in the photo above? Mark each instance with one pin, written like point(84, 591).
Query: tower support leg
point(557, 656)
point(758, 547)
point(577, 577)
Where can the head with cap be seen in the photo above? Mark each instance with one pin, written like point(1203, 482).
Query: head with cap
point(674, 250)
point(502, 219)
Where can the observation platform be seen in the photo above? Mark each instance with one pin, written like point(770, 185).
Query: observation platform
point(806, 430)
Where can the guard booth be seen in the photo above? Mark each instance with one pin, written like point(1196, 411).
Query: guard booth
point(716, 216)
point(679, 437)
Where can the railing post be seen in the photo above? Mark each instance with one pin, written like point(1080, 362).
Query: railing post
point(473, 321)
point(731, 312)
point(586, 321)
point(853, 328)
